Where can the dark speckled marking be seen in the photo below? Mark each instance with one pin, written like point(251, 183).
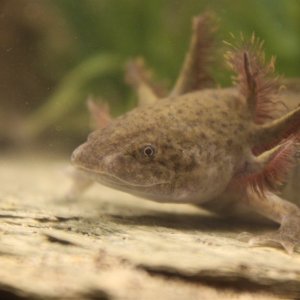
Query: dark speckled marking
point(229, 142)
point(202, 135)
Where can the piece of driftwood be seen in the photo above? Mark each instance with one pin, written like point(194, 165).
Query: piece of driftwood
point(110, 245)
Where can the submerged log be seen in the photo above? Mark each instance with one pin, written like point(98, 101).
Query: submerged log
point(110, 245)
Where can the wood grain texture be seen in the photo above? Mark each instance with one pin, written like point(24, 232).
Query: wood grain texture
point(110, 245)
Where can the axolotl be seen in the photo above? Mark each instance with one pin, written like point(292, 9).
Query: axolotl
point(224, 149)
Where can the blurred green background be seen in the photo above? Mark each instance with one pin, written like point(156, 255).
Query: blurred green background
point(54, 53)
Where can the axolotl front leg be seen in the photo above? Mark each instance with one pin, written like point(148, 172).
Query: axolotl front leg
point(242, 201)
point(267, 202)
point(281, 211)
point(255, 184)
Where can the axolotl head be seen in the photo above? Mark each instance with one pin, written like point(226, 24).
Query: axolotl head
point(154, 154)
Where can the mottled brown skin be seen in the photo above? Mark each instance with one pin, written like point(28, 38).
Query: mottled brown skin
point(198, 145)
point(195, 157)
point(201, 142)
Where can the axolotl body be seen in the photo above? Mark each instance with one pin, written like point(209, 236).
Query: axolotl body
point(220, 148)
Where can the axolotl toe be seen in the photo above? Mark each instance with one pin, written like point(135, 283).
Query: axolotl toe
point(213, 147)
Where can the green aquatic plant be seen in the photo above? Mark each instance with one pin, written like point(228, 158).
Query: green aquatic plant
point(107, 33)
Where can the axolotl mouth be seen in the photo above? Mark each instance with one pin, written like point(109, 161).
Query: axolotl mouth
point(101, 171)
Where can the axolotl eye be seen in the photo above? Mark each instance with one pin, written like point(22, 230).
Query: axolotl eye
point(148, 151)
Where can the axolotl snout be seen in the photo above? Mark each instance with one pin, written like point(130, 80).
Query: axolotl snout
point(221, 149)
